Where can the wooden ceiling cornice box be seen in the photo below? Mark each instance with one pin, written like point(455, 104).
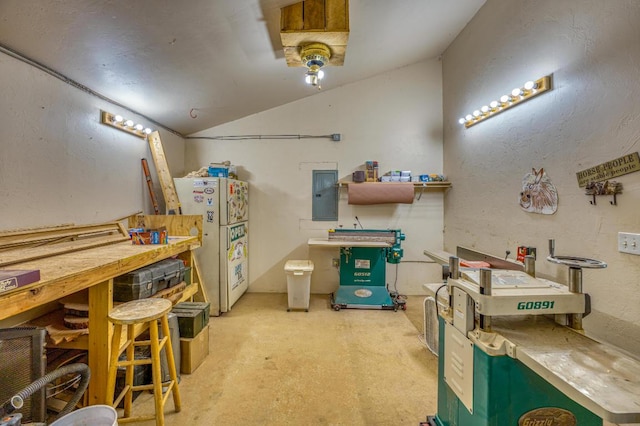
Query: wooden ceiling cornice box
point(315, 21)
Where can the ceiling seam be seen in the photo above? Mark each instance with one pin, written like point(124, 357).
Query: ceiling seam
point(19, 56)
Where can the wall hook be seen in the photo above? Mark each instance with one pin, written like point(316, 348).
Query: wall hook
point(612, 188)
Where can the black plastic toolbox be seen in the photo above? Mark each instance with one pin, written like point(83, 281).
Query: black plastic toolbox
point(173, 271)
point(147, 281)
point(141, 373)
point(134, 285)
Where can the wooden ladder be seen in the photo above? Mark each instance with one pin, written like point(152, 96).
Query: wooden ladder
point(162, 168)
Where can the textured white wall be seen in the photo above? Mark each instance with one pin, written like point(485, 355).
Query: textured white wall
point(58, 163)
point(591, 116)
point(394, 118)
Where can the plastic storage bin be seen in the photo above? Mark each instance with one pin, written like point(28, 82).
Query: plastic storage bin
point(298, 283)
point(94, 415)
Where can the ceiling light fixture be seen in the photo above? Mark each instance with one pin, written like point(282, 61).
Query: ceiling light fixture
point(315, 56)
point(123, 124)
point(517, 96)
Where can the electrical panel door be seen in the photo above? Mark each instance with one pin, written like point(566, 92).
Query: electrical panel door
point(325, 195)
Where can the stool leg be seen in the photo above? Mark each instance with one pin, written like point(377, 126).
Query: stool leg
point(113, 363)
point(128, 381)
point(157, 375)
point(168, 347)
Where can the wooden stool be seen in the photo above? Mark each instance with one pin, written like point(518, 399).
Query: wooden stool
point(144, 312)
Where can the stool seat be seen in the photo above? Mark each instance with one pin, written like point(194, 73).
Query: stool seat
point(140, 311)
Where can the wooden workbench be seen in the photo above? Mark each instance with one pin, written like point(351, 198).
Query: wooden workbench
point(91, 269)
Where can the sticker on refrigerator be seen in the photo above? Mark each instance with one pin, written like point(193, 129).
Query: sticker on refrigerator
point(238, 200)
point(237, 251)
point(237, 271)
point(209, 201)
point(210, 216)
point(198, 182)
point(237, 232)
point(198, 198)
point(209, 190)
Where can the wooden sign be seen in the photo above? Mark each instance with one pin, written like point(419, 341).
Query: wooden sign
point(618, 167)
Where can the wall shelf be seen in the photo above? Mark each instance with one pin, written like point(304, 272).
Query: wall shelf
point(425, 186)
point(440, 186)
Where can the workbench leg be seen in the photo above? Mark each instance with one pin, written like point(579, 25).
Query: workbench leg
point(196, 276)
point(100, 333)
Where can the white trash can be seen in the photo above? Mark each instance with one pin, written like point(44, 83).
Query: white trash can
point(298, 283)
point(91, 415)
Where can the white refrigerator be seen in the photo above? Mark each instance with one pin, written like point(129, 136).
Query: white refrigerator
point(223, 257)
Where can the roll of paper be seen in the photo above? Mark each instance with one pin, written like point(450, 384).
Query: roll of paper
point(381, 193)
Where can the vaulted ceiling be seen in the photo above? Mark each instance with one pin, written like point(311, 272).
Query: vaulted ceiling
point(190, 65)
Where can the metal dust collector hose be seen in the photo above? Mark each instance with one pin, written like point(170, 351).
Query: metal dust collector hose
point(16, 401)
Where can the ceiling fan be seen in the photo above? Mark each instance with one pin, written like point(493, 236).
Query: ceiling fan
point(314, 34)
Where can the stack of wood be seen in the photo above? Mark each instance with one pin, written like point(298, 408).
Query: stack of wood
point(76, 316)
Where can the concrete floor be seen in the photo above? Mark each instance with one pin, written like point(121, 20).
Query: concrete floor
point(268, 366)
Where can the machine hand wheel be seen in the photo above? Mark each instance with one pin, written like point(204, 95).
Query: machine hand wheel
point(573, 261)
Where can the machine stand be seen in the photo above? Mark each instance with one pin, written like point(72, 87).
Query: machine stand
point(431, 421)
point(366, 297)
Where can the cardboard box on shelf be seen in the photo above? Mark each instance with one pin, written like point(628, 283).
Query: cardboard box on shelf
point(193, 351)
point(153, 236)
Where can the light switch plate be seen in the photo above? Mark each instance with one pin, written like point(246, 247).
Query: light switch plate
point(629, 243)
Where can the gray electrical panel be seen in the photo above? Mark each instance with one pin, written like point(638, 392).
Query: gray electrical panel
point(325, 195)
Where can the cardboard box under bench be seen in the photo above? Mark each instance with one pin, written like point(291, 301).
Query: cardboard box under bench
point(193, 351)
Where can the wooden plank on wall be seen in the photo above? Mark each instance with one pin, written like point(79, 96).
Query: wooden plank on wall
point(291, 18)
point(313, 14)
point(337, 15)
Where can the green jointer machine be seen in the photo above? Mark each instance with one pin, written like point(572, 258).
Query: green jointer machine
point(512, 351)
point(364, 254)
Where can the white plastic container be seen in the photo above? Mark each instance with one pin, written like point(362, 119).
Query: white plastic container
point(92, 415)
point(298, 283)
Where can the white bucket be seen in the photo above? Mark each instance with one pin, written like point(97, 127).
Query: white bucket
point(93, 415)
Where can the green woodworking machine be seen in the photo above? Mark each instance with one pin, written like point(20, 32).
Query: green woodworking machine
point(364, 254)
point(512, 351)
